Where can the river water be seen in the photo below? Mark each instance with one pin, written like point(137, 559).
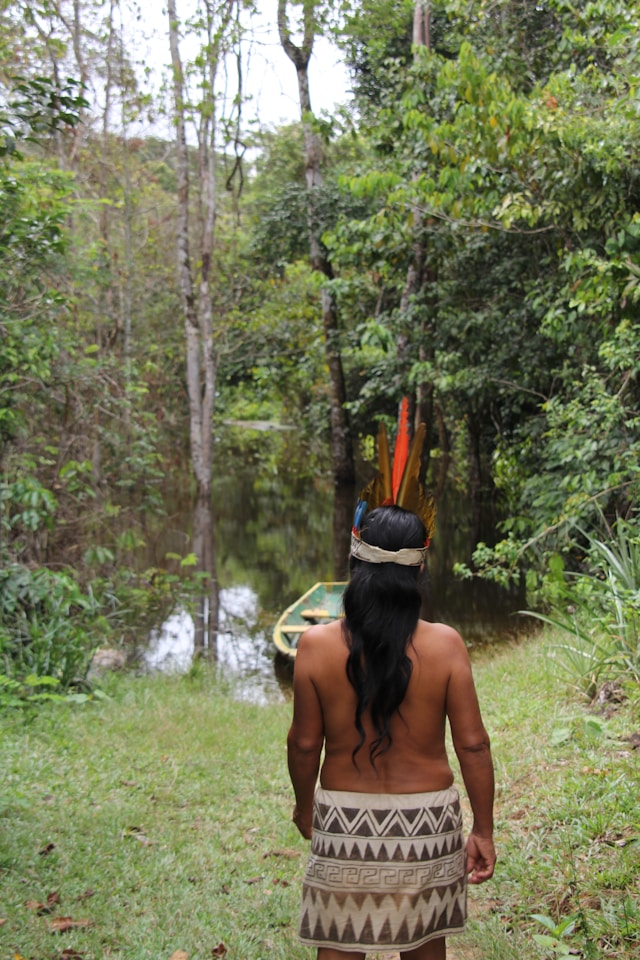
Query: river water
point(273, 538)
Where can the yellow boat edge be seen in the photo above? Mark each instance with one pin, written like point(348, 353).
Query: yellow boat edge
point(278, 638)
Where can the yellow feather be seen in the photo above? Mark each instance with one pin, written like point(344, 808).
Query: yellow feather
point(412, 495)
point(410, 483)
point(384, 462)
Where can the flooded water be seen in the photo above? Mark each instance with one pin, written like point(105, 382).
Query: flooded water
point(273, 540)
point(245, 652)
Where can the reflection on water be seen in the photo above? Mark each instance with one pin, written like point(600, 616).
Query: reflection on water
point(245, 651)
point(171, 646)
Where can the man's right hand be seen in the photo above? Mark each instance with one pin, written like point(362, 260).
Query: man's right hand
point(481, 858)
point(303, 822)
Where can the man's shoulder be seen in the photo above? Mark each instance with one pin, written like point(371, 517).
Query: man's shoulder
point(321, 635)
point(440, 631)
point(438, 638)
point(323, 631)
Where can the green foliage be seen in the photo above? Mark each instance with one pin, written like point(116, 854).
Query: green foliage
point(79, 436)
point(375, 36)
point(26, 504)
point(501, 159)
point(598, 611)
point(36, 690)
point(131, 602)
point(277, 199)
point(39, 106)
point(48, 627)
point(33, 206)
point(281, 374)
point(556, 943)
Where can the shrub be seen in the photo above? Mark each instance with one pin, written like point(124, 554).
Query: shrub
point(48, 625)
point(599, 612)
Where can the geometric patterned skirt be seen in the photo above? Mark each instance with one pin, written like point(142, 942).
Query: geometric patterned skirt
point(386, 870)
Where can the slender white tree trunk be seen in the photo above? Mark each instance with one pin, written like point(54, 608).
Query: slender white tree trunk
point(197, 301)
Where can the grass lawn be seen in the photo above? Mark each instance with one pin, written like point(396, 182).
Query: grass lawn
point(156, 824)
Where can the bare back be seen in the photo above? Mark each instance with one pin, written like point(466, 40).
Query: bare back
point(440, 686)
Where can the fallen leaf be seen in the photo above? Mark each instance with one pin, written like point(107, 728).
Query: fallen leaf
point(219, 951)
point(277, 881)
point(3, 920)
point(70, 954)
point(179, 955)
point(88, 893)
point(62, 924)
point(138, 834)
point(128, 783)
point(46, 850)
point(288, 853)
point(52, 900)
point(254, 880)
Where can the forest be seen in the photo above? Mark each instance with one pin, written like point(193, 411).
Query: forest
point(464, 231)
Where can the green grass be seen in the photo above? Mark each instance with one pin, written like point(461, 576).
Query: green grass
point(168, 808)
point(568, 815)
point(169, 803)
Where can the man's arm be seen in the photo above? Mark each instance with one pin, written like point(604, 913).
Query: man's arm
point(471, 743)
point(306, 736)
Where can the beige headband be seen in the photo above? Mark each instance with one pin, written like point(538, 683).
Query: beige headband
point(407, 557)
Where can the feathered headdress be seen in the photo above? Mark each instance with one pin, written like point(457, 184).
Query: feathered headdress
point(399, 484)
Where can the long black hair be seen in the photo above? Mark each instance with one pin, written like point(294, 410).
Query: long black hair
point(382, 605)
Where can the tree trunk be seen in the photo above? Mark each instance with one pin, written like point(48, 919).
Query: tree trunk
point(445, 452)
point(208, 606)
point(196, 297)
point(341, 444)
point(201, 469)
point(418, 273)
point(422, 24)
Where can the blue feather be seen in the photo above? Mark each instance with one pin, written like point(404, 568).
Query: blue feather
point(361, 509)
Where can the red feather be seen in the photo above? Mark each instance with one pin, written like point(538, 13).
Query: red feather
point(401, 450)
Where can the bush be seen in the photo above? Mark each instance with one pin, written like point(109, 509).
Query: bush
point(599, 611)
point(48, 625)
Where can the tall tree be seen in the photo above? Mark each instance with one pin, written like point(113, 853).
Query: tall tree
point(215, 19)
point(416, 271)
point(341, 441)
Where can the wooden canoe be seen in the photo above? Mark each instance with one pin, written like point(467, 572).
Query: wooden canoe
point(322, 603)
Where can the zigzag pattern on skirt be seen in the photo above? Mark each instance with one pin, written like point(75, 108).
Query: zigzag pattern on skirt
point(385, 870)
